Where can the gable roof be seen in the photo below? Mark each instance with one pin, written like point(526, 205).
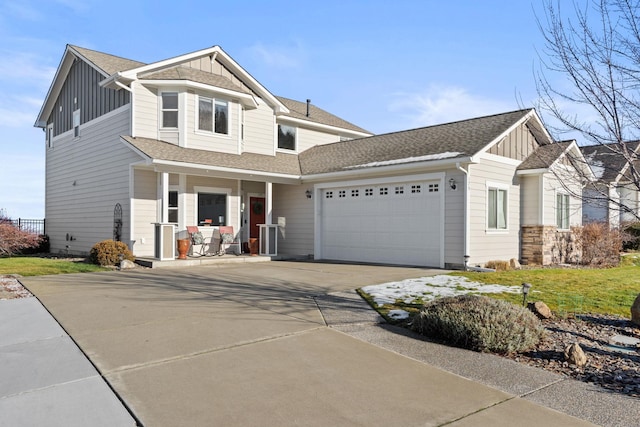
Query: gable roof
point(545, 156)
point(160, 152)
point(186, 73)
point(104, 62)
point(298, 110)
point(606, 160)
point(450, 141)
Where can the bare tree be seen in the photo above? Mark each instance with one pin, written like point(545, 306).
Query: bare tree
point(597, 49)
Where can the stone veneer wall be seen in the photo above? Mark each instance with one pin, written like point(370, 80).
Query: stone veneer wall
point(544, 245)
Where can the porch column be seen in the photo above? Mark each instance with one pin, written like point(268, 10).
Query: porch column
point(268, 201)
point(164, 191)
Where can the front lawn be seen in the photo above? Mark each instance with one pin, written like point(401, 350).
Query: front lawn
point(33, 266)
point(564, 290)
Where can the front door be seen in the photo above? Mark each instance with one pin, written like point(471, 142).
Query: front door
point(256, 216)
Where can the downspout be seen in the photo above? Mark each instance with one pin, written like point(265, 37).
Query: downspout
point(467, 216)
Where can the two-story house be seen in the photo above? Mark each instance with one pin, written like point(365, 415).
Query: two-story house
point(195, 140)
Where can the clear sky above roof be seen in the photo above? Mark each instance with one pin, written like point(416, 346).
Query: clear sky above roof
point(384, 66)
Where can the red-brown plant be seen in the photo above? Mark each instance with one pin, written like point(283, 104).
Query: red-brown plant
point(13, 240)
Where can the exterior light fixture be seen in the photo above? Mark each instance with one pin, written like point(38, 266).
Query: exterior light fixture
point(525, 292)
point(452, 183)
point(308, 194)
point(466, 262)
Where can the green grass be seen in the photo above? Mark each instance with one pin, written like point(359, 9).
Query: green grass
point(32, 266)
point(566, 291)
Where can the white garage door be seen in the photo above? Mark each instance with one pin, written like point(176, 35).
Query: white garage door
point(396, 223)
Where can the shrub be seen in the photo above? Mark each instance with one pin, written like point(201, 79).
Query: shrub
point(108, 252)
point(498, 265)
point(13, 240)
point(601, 245)
point(631, 236)
point(480, 323)
point(43, 247)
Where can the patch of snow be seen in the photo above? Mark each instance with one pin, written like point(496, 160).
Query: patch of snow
point(439, 156)
point(429, 288)
point(398, 314)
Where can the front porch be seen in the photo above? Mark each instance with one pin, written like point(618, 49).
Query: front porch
point(206, 260)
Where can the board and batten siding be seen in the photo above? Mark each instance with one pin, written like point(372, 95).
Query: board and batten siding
point(454, 220)
point(81, 91)
point(145, 209)
point(487, 245)
point(293, 212)
point(85, 178)
point(518, 144)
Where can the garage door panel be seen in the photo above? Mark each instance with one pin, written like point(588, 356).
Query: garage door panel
point(390, 223)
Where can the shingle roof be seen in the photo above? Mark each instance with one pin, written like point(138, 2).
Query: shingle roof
point(298, 110)
point(606, 161)
point(451, 140)
point(198, 76)
point(281, 163)
point(544, 156)
point(110, 64)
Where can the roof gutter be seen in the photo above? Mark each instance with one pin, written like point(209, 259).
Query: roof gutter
point(381, 170)
point(311, 124)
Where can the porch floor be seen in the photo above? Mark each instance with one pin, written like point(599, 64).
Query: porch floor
point(204, 260)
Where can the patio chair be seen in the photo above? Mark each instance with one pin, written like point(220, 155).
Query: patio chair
point(228, 239)
point(197, 239)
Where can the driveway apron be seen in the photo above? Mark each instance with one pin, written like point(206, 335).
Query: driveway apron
point(249, 346)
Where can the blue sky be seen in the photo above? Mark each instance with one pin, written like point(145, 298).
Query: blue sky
point(385, 66)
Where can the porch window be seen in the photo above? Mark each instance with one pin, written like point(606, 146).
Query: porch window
point(212, 208)
point(286, 137)
point(173, 207)
point(213, 115)
point(497, 209)
point(169, 109)
point(562, 211)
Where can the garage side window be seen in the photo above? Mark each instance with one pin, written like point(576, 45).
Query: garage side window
point(497, 209)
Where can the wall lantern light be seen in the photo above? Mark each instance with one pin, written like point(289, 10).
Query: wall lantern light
point(452, 183)
point(308, 194)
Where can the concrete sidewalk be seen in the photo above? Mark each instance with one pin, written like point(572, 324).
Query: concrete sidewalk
point(45, 380)
point(278, 344)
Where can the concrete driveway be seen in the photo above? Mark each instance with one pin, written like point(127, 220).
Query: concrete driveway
point(259, 345)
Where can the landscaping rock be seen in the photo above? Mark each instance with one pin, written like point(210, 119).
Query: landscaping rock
point(540, 309)
point(574, 355)
point(635, 311)
point(514, 264)
point(125, 264)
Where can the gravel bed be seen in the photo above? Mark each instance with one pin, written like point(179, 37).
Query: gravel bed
point(610, 364)
point(10, 288)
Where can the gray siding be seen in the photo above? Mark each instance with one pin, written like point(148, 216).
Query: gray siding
point(85, 178)
point(81, 91)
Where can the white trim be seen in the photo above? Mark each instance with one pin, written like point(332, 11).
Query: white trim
point(209, 168)
point(110, 114)
point(321, 126)
point(161, 109)
point(240, 146)
point(541, 199)
point(560, 191)
point(387, 180)
point(404, 169)
point(243, 98)
point(212, 190)
point(497, 186)
point(539, 171)
point(212, 132)
point(499, 159)
point(49, 135)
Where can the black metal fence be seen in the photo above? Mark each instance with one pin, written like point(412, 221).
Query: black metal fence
point(35, 226)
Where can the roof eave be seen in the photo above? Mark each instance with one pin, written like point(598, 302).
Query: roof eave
point(309, 123)
point(55, 87)
point(377, 170)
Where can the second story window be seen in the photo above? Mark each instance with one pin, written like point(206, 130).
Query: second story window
point(286, 137)
point(169, 110)
point(76, 123)
point(213, 115)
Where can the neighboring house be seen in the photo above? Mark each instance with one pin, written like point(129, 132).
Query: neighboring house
point(196, 139)
point(614, 197)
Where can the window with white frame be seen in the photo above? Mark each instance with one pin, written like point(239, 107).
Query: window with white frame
point(497, 199)
point(169, 107)
point(562, 211)
point(213, 115)
point(212, 208)
point(173, 207)
point(76, 123)
point(287, 137)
